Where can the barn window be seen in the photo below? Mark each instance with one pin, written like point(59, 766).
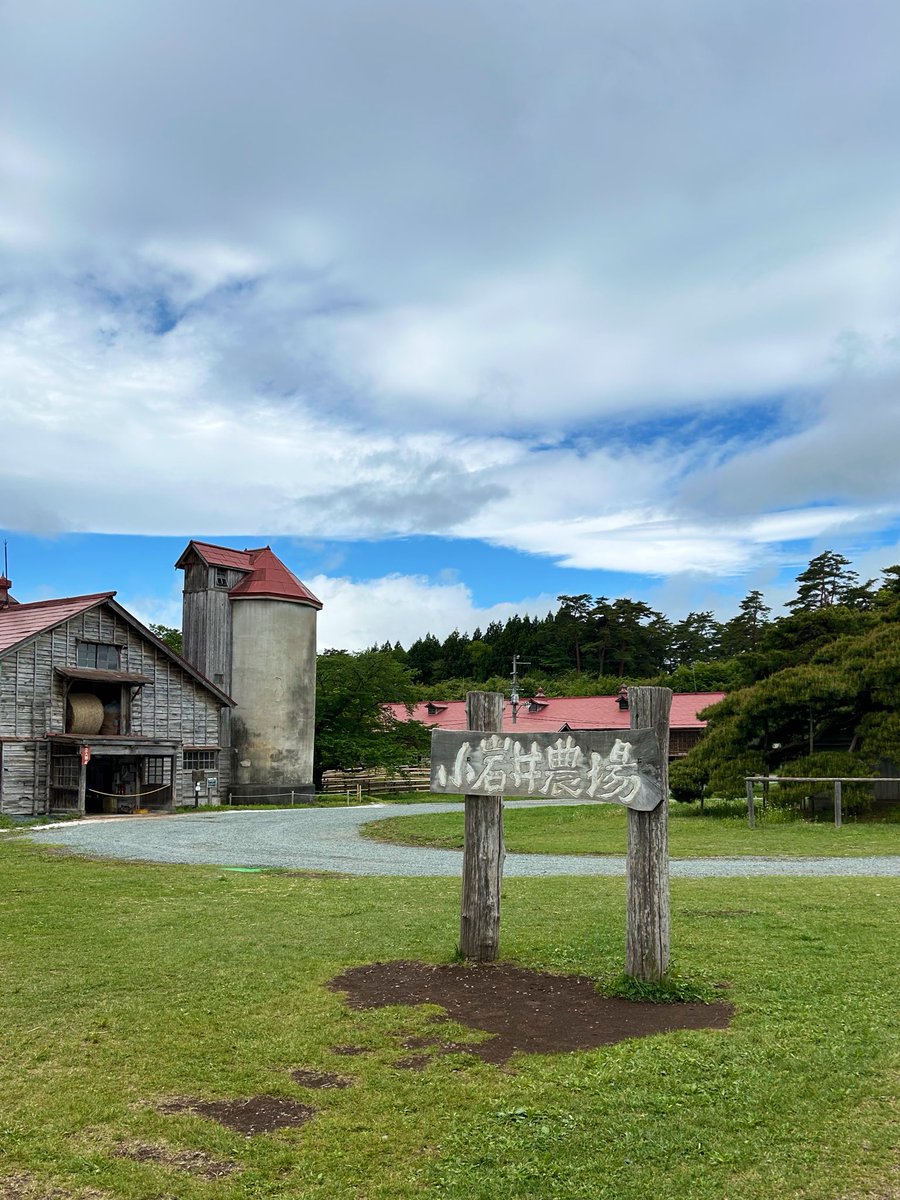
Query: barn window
point(221, 578)
point(154, 770)
point(201, 760)
point(102, 655)
point(66, 772)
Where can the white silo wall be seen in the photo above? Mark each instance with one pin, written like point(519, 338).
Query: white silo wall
point(273, 681)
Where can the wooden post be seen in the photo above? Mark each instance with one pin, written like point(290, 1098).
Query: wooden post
point(82, 788)
point(751, 811)
point(647, 929)
point(838, 814)
point(483, 853)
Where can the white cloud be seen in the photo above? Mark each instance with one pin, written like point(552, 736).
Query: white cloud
point(405, 607)
point(379, 268)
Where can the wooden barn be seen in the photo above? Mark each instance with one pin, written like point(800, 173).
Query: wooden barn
point(98, 715)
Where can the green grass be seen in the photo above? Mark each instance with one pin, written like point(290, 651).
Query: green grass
point(602, 829)
point(13, 823)
point(124, 984)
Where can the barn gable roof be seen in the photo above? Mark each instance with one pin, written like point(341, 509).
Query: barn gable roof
point(22, 623)
point(217, 556)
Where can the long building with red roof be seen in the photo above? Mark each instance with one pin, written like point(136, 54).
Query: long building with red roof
point(557, 714)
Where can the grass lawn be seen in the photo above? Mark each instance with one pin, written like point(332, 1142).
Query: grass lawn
point(602, 829)
point(124, 985)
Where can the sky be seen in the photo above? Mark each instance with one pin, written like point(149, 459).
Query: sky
point(460, 307)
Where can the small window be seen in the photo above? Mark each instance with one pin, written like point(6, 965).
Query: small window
point(101, 655)
point(154, 771)
point(221, 578)
point(201, 760)
point(66, 772)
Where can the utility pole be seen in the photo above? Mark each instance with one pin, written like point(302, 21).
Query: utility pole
point(514, 694)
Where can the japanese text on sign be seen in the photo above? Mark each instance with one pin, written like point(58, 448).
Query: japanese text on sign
point(611, 766)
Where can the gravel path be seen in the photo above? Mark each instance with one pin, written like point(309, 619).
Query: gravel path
point(328, 839)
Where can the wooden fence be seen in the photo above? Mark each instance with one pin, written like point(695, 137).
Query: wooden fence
point(836, 780)
point(377, 783)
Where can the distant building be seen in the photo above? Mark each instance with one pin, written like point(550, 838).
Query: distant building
point(552, 714)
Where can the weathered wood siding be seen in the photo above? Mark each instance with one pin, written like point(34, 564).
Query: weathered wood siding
point(23, 777)
point(206, 624)
point(175, 707)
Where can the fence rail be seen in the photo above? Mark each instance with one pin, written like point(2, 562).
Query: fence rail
point(377, 783)
point(837, 780)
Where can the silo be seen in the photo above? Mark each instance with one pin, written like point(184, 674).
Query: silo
point(264, 647)
point(273, 681)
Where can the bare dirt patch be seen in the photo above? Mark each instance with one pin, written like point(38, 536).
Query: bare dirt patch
point(348, 1051)
point(414, 1062)
point(254, 1114)
point(195, 1162)
point(437, 1046)
point(529, 1011)
point(23, 1186)
point(319, 1079)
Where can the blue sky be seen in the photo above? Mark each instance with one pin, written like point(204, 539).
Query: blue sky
point(458, 307)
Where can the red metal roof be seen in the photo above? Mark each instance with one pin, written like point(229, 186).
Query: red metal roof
point(270, 577)
point(220, 556)
point(578, 712)
point(22, 621)
point(266, 575)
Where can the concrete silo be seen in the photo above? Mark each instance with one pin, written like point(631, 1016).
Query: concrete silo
point(251, 623)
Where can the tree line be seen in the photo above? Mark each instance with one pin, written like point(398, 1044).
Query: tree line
point(591, 645)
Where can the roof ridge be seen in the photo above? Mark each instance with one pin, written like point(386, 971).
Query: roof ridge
point(62, 600)
point(215, 546)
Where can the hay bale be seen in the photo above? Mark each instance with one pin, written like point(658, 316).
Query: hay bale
point(84, 713)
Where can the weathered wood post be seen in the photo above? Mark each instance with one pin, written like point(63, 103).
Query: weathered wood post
point(483, 853)
point(838, 814)
point(82, 786)
point(647, 930)
point(751, 810)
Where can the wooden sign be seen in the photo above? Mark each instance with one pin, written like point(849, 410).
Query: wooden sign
point(613, 766)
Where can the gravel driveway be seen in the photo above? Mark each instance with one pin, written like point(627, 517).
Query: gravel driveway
point(328, 839)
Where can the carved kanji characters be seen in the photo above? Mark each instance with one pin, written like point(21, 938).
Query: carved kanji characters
point(496, 764)
point(527, 766)
point(564, 774)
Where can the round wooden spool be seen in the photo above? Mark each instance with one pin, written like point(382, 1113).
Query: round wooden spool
point(84, 713)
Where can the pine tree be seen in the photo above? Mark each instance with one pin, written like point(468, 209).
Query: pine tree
point(826, 582)
point(744, 632)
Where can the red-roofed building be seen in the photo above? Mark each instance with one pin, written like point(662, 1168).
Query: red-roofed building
point(96, 713)
point(250, 626)
point(557, 714)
